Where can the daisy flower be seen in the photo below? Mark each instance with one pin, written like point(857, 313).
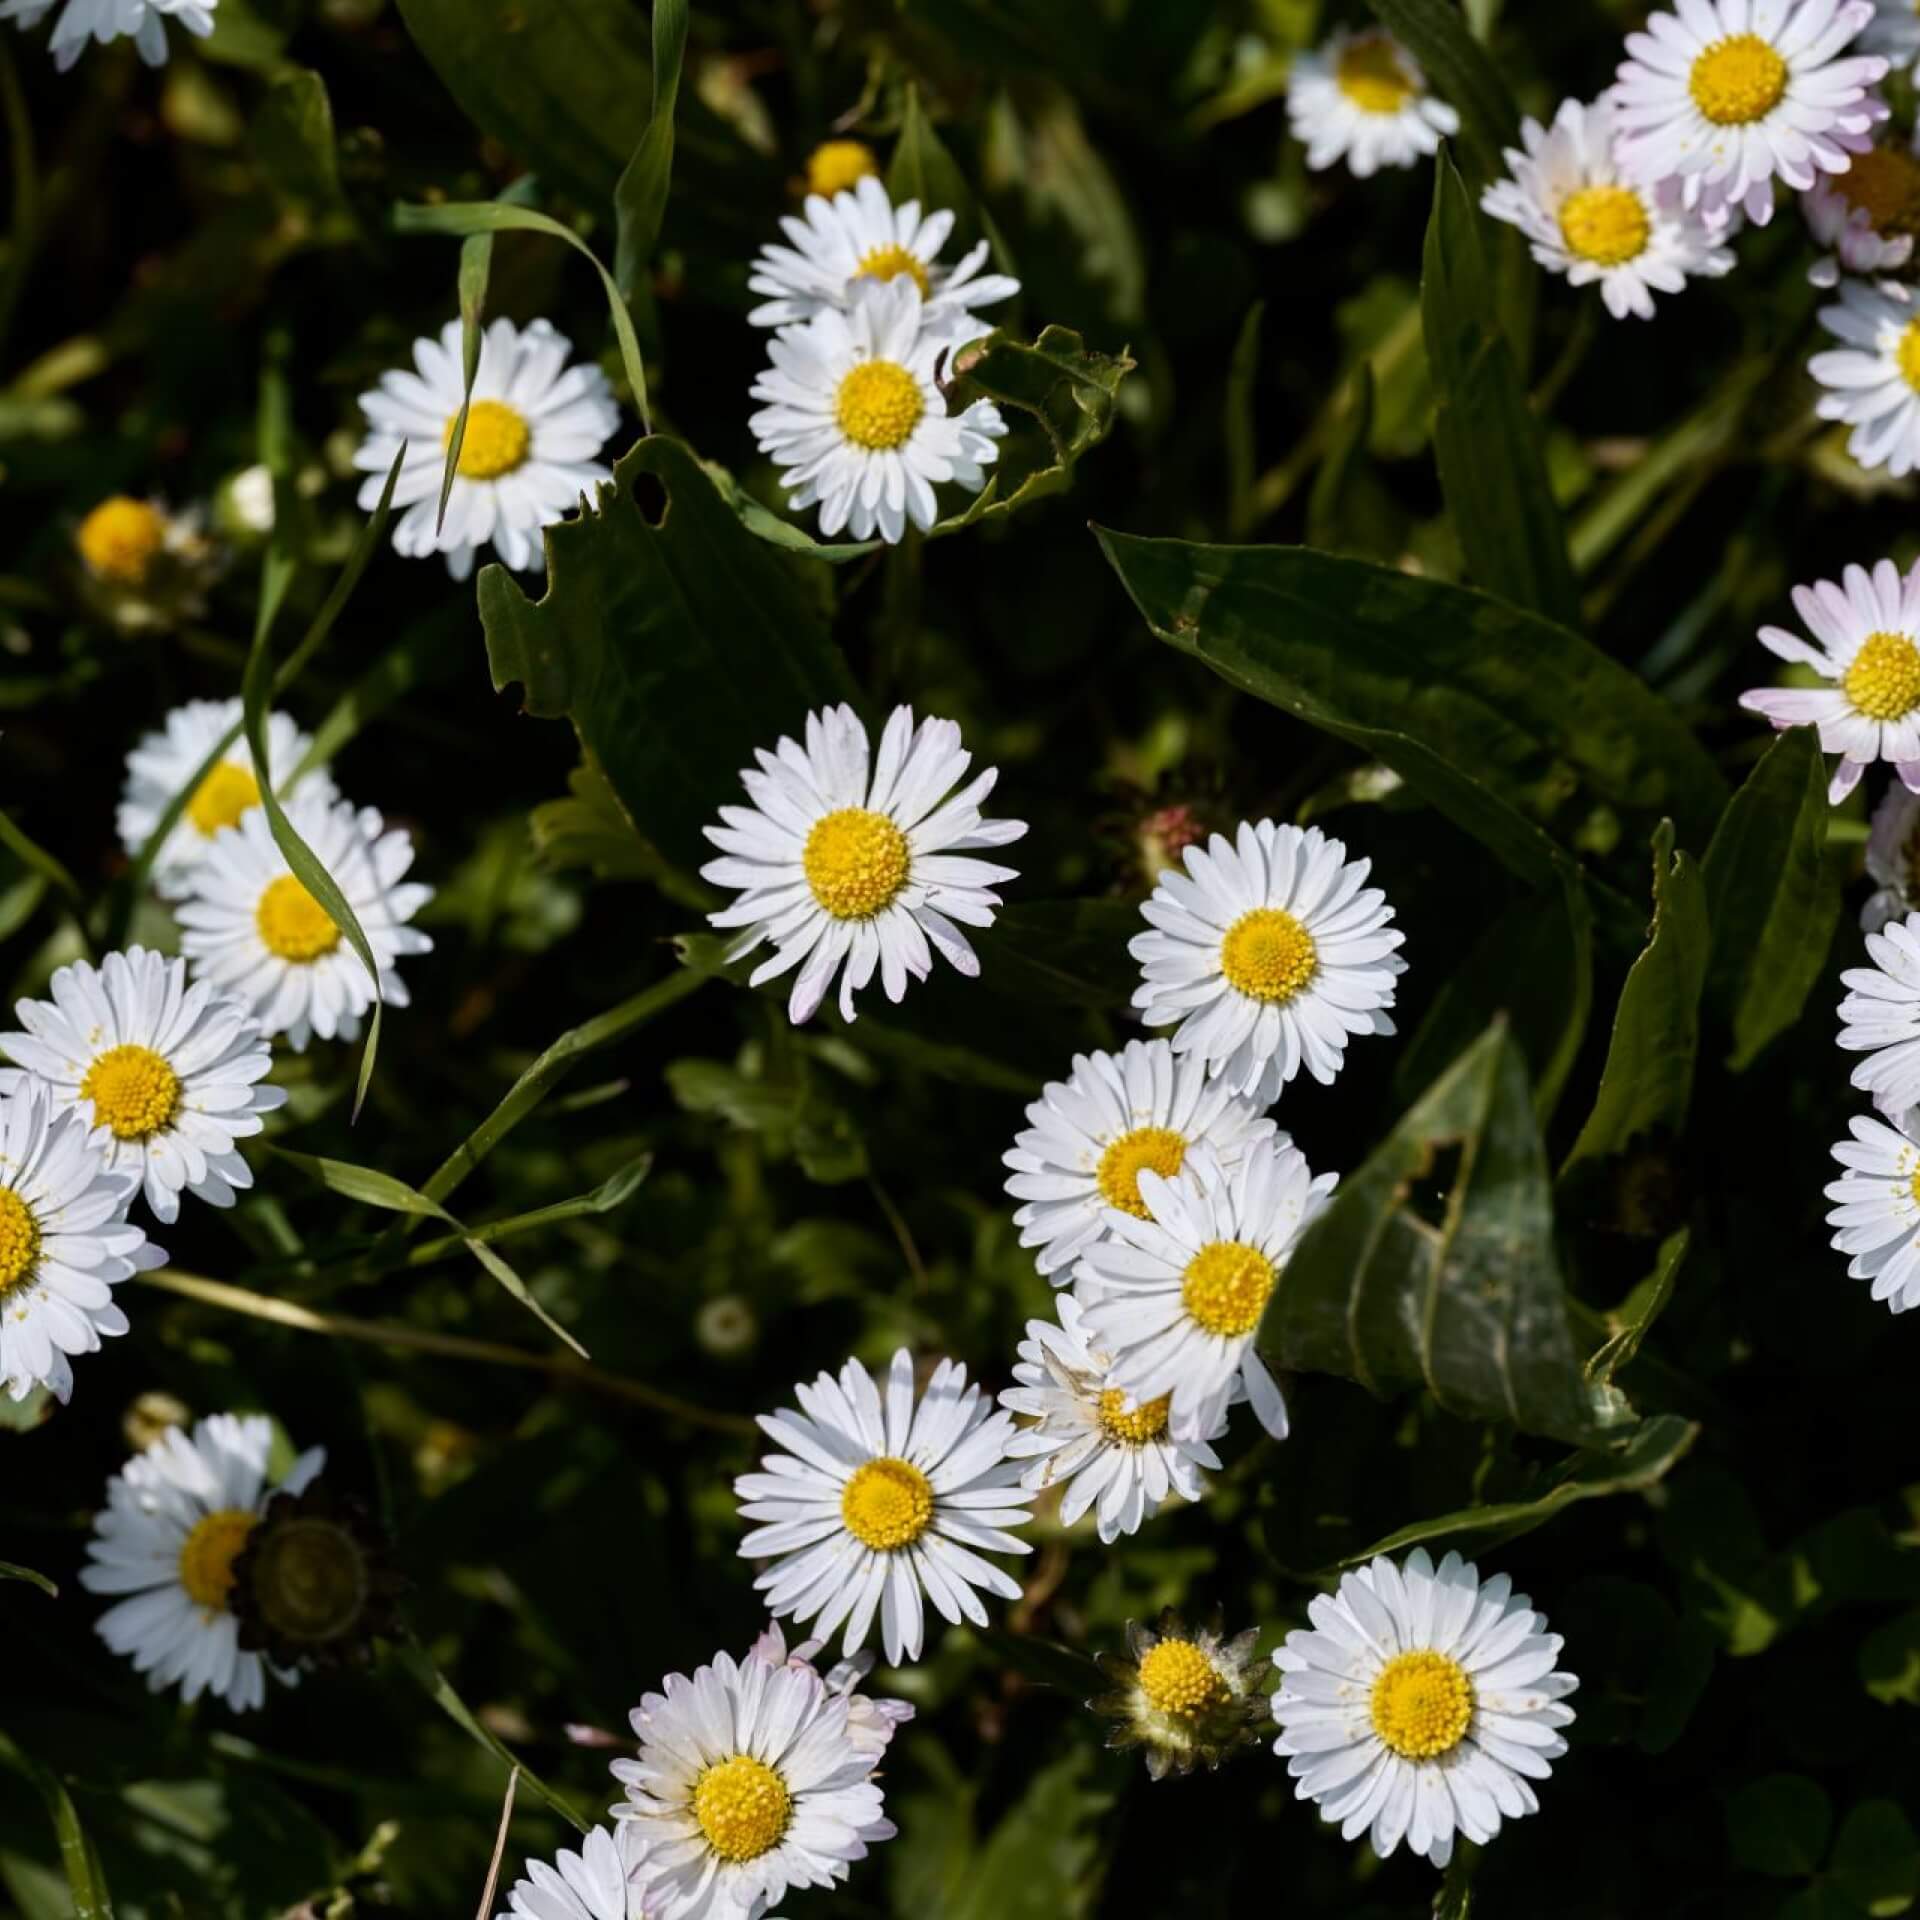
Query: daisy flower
point(1362, 98)
point(1177, 1299)
point(1421, 1704)
point(1093, 1438)
point(1867, 217)
point(859, 869)
point(250, 927)
point(592, 1884)
point(164, 762)
point(1189, 1697)
point(526, 459)
point(871, 1723)
point(1268, 950)
point(1895, 31)
point(65, 1241)
point(1727, 94)
point(1585, 219)
point(835, 165)
point(106, 20)
point(860, 236)
point(1893, 859)
point(749, 1782)
point(1876, 1212)
point(1873, 377)
point(1880, 1017)
point(873, 1501)
point(177, 1517)
point(1866, 633)
point(1089, 1137)
point(164, 1075)
point(856, 421)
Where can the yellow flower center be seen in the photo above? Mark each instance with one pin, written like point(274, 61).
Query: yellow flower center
point(887, 1504)
point(1913, 1187)
point(206, 1561)
point(293, 923)
point(1268, 955)
point(1422, 1704)
point(1884, 184)
point(1884, 680)
point(890, 262)
point(855, 862)
point(495, 442)
point(222, 797)
point(1146, 1149)
point(19, 1241)
point(119, 539)
point(1178, 1679)
point(743, 1807)
point(1372, 75)
point(879, 405)
point(1148, 1421)
point(835, 165)
point(1227, 1286)
point(1907, 354)
point(1737, 80)
point(1607, 225)
point(134, 1092)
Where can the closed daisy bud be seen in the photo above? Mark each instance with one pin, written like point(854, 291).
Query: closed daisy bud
point(1188, 1698)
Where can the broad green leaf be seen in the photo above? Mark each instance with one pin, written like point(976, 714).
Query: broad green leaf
point(1433, 1265)
point(1039, 1863)
point(1876, 1859)
point(8, 1571)
point(1628, 1323)
point(640, 199)
point(85, 1881)
point(922, 169)
point(1329, 506)
point(1773, 895)
point(293, 136)
point(676, 645)
point(1460, 72)
point(1515, 728)
point(1779, 1824)
point(1063, 952)
point(588, 830)
point(1648, 1079)
point(1493, 472)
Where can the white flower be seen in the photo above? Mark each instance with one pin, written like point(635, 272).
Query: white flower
point(163, 1074)
point(65, 1241)
point(592, 1884)
point(1895, 31)
point(249, 926)
point(862, 236)
point(1727, 94)
point(858, 869)
point(1876, 1213)
point(1866, 217)
point(178, 1515)
point(1177, 1299)
point(1873, 378)
point(1269, 951)
point(749, 1782)
point(873, 1502)
point(106, 20)
point(1584, 218)
point(164, 762)
point(1880, 1017)
point(871, 1723)
point(1421, 1704)
point(1362, 98)
point(1868, 639)
point(856, 421)
point(527, 457)
point(1893, 859)
point(1092, 1437)
point(250, 499)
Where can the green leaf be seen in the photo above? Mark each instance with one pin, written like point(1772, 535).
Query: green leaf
point(1648, 1079)
point(35, 857)
point(640, 200)
point(1890, 1661)
point(1773, 896)
point(293, 136)
point(1513, 727)
point(1493, 472)
point(1779, 1825)
point(922, 169)
point(1330, 505)
point(789, 1114)
point(1236, 430)
point(1434, 1264)
point(8, 1571)
point(676, 646)
point(1038, 1863)
point(1876, 1860)
point(1460, 72)
point(1628, 1323)
point(86, 1882)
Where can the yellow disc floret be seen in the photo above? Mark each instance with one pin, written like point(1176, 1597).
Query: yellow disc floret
point(1913, 1187)
point(222, 797)
point(1884, 184)
point(1178, 1679)
point(134, 1092)
point(891, 261)
point(887, 1504)
point(206, 1560)
point(835, 165)
point(878, 405)
point(1268, 955)
point(1145, 1150)
point(855, 862)
point(1148, 1421)
point(743, 1807)
point(1372, 74)
point(19, 1241)
point(1737, 80)
point(1884, 680)
point(120, 538)
point(1607, 225)
point(1907, 354)
point(1422, 1704)
point(1227, 1286)
point(496, 441)
point(293, 924)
